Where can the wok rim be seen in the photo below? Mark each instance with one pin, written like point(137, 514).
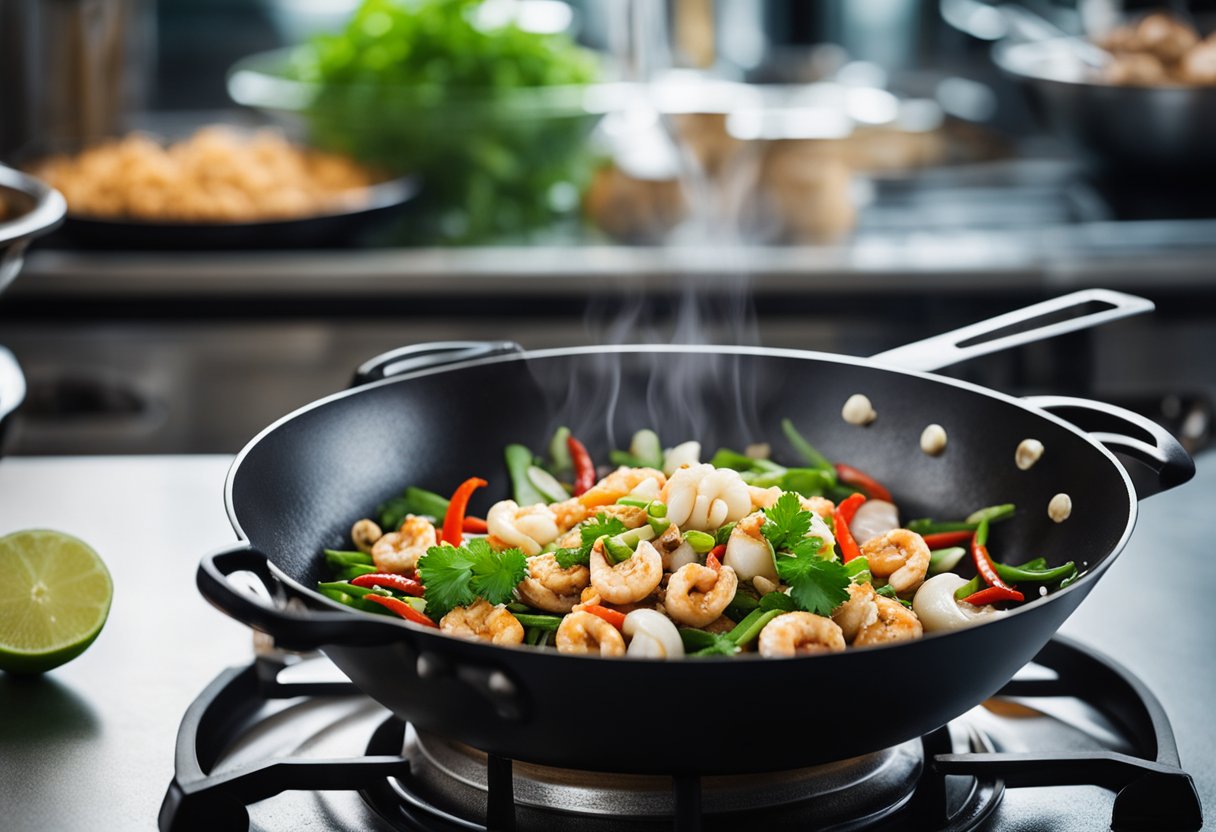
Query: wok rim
point(1012, 65)
point(1083, 583)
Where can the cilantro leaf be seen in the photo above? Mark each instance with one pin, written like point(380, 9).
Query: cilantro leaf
point(590, 532)
point(457, 577)
point(818, 585)
point(887, 592)
point(785, 521)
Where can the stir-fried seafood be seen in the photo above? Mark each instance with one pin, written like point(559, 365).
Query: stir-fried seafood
point(736, 555)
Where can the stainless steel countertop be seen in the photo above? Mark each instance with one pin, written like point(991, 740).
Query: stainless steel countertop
point(90, 745)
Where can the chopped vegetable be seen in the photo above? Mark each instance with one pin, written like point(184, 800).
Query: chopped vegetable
point(458, 576)
point(1045, 576)
point(419, 501)
point(335, 559)
point(613, 617)
point(539, 622)
point(475, 525)
point(700, 542)
point(591, 531)
point(389, 581)
point(453, 523)
point(722, 535)
point(818, 585)
point(994, 594)
point(778, 601)
point(943, 540)
point(546, 484)
point(887, 591)
point(944, 560)
point(843, 514)
point(748, 630)
point(401, 608)
point(804, 448)
point(584, 468)
point(559, 453)
point(617, 550)
point(856, 568)
point(519, 460)
point(647, 449)
point(992, 514)
point(849, 475)
point(968, 589)
point(983, 561)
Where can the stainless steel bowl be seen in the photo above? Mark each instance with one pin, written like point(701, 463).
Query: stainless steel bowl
point(31, 209)
point(1157, 129)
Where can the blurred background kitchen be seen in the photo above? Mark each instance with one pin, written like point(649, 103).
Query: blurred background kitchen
point(262, 194)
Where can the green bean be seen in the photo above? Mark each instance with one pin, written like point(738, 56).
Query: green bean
point(699, 541)
point(541, 622)
point(808, 451)
point(1012, 574)
point(968, 589)
point(336, 559)
point(749, 628)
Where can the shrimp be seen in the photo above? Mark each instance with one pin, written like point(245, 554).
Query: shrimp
point(800, 633)
point(703, 497)
point(551, 588)
point(631, 516)
point(630, 580)
point(399, 551)
point(364, 534)
point(696, 594)
point(569, 513)
point(483, 621)
point(900, 556)
point(858, 612)
point(894, 622)
point(582, 632)
point(619, 483)
point(528, 527)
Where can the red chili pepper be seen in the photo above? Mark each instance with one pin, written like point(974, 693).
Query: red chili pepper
point(711, 560)
point(718, 552)
point(613, 617)
point(984, 565)
point(993, 594)
point(401, 608)
point(475, 525)
point(389, 580)
point(943, 539)
point(843, 515)
point(453, 522)
point(584, 468)
point(860, 479)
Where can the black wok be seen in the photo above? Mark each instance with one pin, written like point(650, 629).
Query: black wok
point(301, 483)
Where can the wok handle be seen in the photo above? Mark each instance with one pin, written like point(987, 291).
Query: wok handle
point(1162, 462)
point(426, 356)
point(1068, 313)
point(304, 630)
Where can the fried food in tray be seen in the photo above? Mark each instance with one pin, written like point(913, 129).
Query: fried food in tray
point(218, 175)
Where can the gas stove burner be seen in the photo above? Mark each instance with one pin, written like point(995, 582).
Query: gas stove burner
point(330, 756)
point(450, 786)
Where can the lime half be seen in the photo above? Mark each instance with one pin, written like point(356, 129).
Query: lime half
point(54, 598)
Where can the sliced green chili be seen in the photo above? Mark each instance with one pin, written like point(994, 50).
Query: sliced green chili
point(539, 622)
point(1013, 574)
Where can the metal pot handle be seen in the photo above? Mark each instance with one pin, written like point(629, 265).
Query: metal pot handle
point(304, 630)
point(1068, 313)
point(1161, 463)
point(425, 356)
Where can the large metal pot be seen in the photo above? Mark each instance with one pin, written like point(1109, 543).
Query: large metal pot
point(436, 415)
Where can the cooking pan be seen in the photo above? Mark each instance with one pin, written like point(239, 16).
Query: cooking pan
point(1136, 130)
point(436, 414)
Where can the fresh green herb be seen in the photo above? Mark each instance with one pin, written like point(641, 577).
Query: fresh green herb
point(887, 592)
point(739, 606)
point(818, 585)
point(590, 532)
point(702, 643)
point(458, 576)
point(785, 522)
point(778, 601)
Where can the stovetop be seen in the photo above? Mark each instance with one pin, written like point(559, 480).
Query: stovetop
point(1075, 741)
point(91, 745)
